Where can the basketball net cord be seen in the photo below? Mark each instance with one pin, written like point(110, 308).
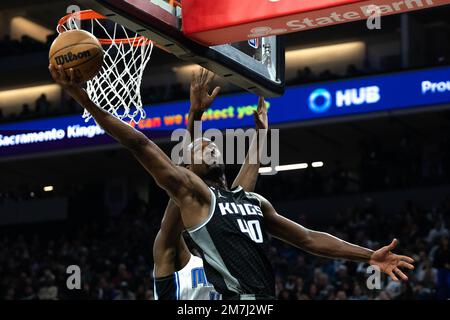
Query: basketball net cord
point(116, 88)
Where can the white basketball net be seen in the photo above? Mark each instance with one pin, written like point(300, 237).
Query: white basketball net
point(116, 88)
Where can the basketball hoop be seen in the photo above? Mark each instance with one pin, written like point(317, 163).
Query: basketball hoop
point(116, 88)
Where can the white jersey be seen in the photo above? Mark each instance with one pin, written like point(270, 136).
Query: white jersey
point(189, 283)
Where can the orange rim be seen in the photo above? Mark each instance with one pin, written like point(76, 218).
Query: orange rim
point(91, 15)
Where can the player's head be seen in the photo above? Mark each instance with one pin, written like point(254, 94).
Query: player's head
point(206, 159)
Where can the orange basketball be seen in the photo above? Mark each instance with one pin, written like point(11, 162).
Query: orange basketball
point(77, 49)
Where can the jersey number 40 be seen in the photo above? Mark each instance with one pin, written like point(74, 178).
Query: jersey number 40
point(252, 228)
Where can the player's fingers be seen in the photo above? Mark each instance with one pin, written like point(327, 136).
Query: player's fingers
point(62, 74)
point(401, 274)
point(71, 75)
point(256, 116)
point(407, 259)
point(261, 104)
point(196, 75)
point(215, 92)
point(207, 76)
point(392, 275)
point(407, 265)
point(53, 72)
point(393, 244)
point(202, 75)
point(78, 76)
point(211, 76)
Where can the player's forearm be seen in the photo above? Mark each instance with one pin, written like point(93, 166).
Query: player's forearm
point(314, 242)
point(118, 129)
point(192, 118)
point(324, 244)
point(248, 174)
point(153, 159)
point(317, 243)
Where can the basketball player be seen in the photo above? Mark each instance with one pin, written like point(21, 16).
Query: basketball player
point(180, 275)
point(229, 227)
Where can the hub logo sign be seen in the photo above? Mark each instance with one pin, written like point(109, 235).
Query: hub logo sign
point(321, 100)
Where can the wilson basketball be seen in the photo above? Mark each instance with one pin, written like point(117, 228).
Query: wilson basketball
point(77, 49)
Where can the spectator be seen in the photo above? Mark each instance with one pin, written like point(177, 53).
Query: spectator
point(48, 291)
point(352, 71)
point(383, 296)
point(42, 105)
point(437, 232)
point(300, 269)
point(357, 293)
point(341, 295)
point(313, 294)
point(25, 111)
point(124, 293)
point(442, 264)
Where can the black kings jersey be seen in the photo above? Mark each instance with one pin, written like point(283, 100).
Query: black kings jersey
point(232, 243)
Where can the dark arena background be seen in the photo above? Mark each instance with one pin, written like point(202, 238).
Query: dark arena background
point(364, 121)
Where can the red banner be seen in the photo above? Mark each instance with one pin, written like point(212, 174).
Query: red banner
point(226, 21)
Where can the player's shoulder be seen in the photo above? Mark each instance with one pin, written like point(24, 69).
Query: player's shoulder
point(262, 200)
point(255, 195)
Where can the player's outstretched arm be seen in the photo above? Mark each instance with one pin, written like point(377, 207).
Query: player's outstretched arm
point(248, 174)
point(179, 183)
point(326, 245)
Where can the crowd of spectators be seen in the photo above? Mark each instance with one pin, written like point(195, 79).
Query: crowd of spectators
point(10, 47)
point(42, 108)
point(422, 234)
point(381, 167)
point(115, 256)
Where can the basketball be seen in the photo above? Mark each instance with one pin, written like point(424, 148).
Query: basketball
point(77, 49)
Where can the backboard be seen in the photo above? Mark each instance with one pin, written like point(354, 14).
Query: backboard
point(256, 65)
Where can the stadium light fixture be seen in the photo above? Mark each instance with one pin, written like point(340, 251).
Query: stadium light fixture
point(315, 58)
point(48, 188)
point(353, 49)
point(317, 164)
point(266, 170)
point(289, 167)
point(21, 26)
